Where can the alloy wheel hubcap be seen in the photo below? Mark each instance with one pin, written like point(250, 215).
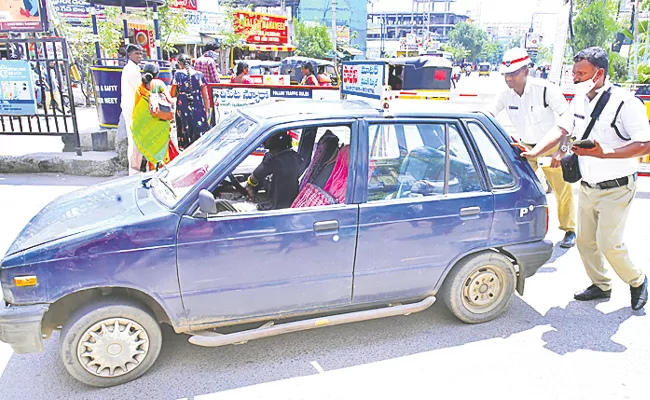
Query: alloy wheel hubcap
point(484, 289)
point(113, 347)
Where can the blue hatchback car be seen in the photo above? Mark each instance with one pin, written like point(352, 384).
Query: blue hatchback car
point(390, 214)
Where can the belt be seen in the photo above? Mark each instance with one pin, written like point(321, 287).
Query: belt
point(611, 183)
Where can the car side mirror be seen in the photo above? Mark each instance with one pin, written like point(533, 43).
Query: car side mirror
point(207, 205)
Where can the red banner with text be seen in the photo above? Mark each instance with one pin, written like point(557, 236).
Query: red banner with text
point(262, 28)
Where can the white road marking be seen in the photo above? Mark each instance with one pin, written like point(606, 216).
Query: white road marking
point(317, 367)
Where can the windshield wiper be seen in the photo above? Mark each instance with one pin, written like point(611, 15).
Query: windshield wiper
point(166, 185)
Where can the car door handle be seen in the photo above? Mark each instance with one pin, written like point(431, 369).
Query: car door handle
point(326, 227)
point(470, 212)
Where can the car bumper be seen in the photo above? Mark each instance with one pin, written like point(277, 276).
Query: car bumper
point(20, 326)
point(530, 257)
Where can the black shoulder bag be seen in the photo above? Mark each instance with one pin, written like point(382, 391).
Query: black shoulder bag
point(570, 165)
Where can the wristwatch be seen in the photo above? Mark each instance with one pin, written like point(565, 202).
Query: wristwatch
point(564, 148)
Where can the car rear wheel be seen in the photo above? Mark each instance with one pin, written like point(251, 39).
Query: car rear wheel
point(479, 288)
point(110, 342)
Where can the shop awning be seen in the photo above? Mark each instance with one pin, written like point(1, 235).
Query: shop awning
point(352, 51)
point(264, 47)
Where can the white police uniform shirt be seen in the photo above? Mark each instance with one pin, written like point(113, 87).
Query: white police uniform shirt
point(531, 119)
point(632, 124)
point(131, 79)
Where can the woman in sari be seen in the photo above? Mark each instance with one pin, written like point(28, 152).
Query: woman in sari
point(150, 130)
point(192, 103)
point(242, 77)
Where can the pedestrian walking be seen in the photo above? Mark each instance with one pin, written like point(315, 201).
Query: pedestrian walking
point(191, 91)
point(152, 117)
point(207, 65)
point(533, 105)
point(131, 79)
point(617, 133)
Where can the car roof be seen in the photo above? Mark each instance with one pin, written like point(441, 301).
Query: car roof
point(335, 109)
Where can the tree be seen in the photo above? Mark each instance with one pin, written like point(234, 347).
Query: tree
point(458, 52)
point(172, 23)
point(594, 26)
point(312, 39)
point(544, 54)
point(470, 37)
point(492, 52)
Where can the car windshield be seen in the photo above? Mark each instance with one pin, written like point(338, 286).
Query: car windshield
point(175, 180)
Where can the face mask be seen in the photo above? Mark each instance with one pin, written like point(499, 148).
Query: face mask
point(585, 87)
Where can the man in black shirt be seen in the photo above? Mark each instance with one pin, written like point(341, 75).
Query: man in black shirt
point(278, 173)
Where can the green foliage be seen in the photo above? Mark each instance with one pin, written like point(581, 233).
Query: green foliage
point(617, 67)
point(644, 74)
point(458, 52)
point(470, 37)
point(228, 37)
point(172, 23)
point(595, 25)
point(492, 52)
point(312, 39)
point(544, 54)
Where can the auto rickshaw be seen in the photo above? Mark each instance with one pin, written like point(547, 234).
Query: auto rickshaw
point(257, 67)
point(422, 75)
point(484, 69)
point(292, 66)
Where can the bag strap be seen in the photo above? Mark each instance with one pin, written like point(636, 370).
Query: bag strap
point(600, 105)
point(545, 102)
point(618, 133)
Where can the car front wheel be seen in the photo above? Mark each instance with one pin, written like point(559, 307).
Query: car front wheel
point(110, 342)
point(480, 288)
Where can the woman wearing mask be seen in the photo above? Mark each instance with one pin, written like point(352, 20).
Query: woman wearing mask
point(309, 77)
point(152, 117)
point(242, 77)
point(192, 103)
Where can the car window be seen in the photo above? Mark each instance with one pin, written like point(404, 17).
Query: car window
point(410, 161)
point(498, 171)
point(312, 172)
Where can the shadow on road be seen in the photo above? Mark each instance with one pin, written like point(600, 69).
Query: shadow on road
point(568, 334)
point(184, 370)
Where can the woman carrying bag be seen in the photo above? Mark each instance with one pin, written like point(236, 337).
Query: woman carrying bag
point(152, 117)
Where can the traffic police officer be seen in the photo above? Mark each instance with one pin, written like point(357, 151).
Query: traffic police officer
point(620, 135)
point(533, 106)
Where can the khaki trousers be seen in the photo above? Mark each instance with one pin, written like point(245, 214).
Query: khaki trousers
point(602, 217)
point(566, 210)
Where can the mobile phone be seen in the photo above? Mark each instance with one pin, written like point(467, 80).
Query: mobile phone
point(585, 144)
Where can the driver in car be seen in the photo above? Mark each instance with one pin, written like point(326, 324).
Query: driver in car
point(278, 173)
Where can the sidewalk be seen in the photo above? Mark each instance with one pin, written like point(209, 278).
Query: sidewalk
point(33, 154)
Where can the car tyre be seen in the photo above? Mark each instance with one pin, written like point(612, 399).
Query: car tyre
point(96, 354)
point(480, 287)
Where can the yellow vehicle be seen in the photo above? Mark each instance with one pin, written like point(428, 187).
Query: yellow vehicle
point(484, 69)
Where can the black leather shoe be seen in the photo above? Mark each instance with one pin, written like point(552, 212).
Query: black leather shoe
point(569, 240)
point(593, 292)
point(639, 295)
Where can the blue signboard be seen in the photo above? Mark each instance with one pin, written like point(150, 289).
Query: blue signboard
point(17, 96)
point(292, 93)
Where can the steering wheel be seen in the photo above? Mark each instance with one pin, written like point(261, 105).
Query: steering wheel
point(237, 185)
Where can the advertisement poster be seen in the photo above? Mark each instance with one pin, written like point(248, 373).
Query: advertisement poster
point(262, 28)
point(22, 16)
point(17, 95)
point(183, 4)
point(76, 11)
point(363, 79)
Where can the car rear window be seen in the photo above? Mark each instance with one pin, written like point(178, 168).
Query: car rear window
point(499, 173)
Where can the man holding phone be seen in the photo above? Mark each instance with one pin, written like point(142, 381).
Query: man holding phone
point(608, 160)
point(533, 106)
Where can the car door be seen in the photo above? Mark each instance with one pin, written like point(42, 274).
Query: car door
point(426, 206)
point(259, 263)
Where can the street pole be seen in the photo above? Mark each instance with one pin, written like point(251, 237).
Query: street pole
point(93, 16)
point(156, 28)
point(636, 38)
point(334, 30)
